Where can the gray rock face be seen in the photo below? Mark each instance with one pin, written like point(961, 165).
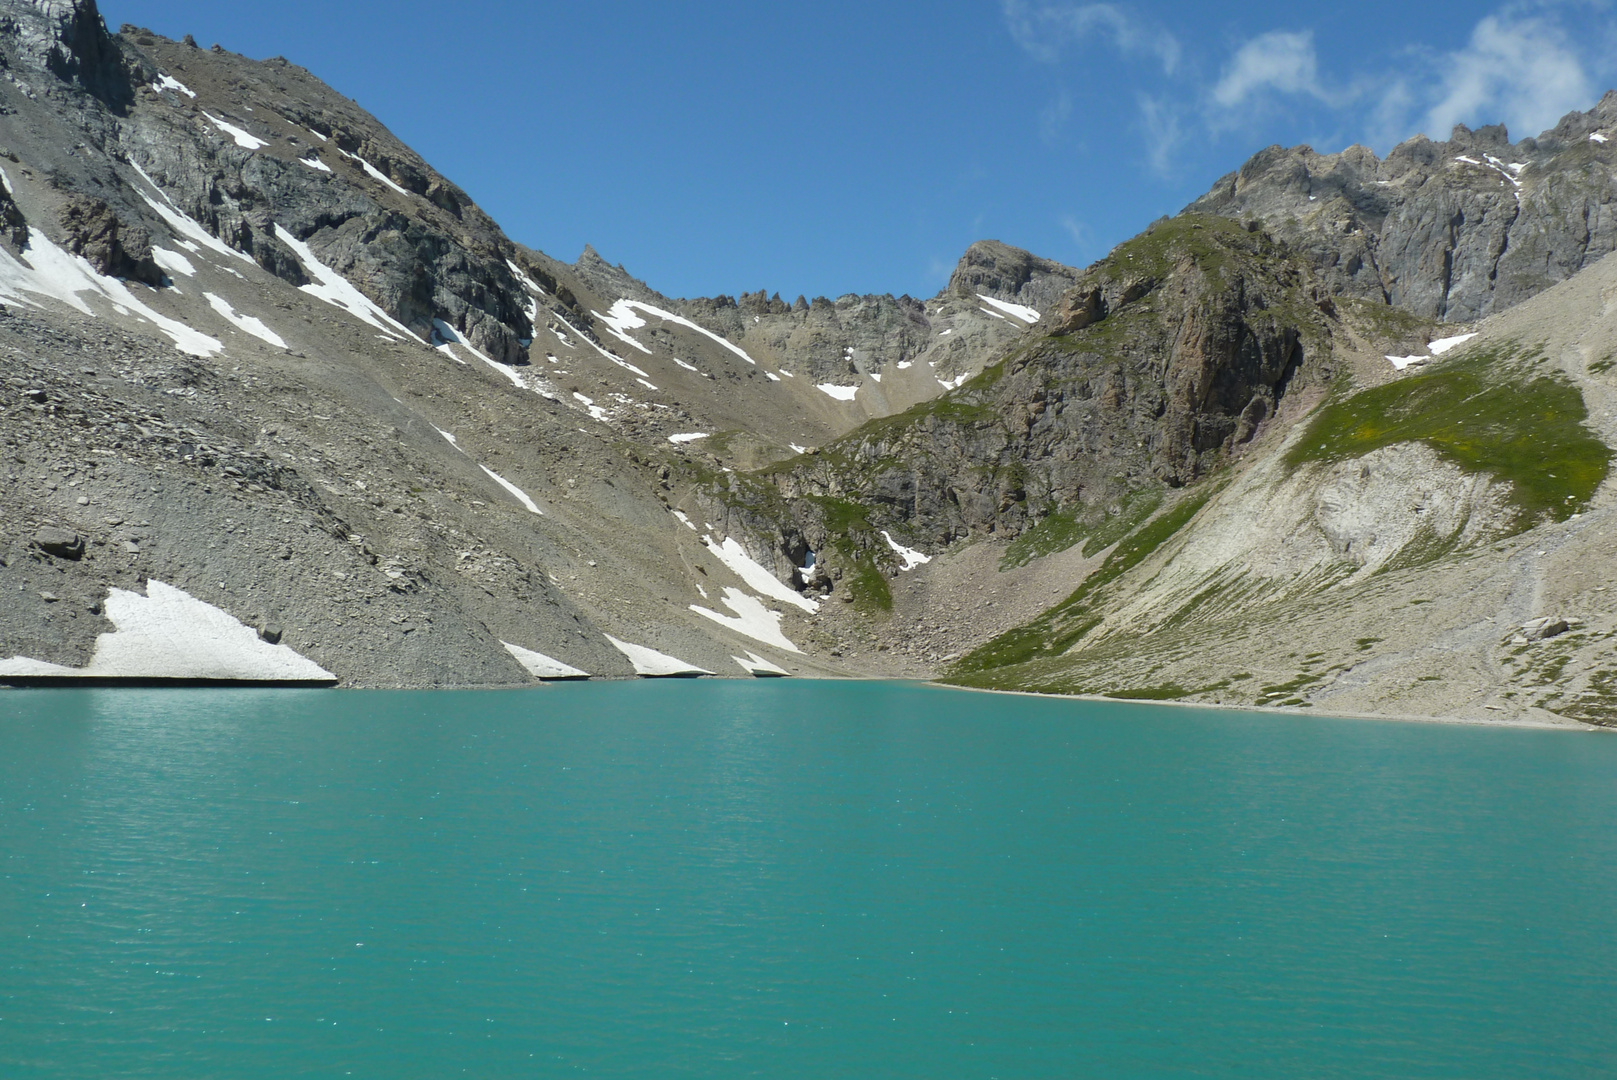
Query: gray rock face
point(1453, 230)
point(1171, 352)
point(69, 39)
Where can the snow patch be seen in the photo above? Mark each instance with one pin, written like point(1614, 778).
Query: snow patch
point(372, 171)
point(771, 376)
point(245, 139)
point(185, 225)
point(687, 367)
point(841, 393)
point(629, 306)
point(169, 634)
point(911, 557)
point(1443, 345)
point(336, 290)
point(1401, 362)
point(757, 666)
point(797, 449)
point(651, 663)
point(689, 437)
point(169, 82)
point(541, 666)
point(995, 314)
point(620, 319)
point(875, 376)
point(957, 382)
point(1021, 311)
point(905, 365)
point(315, 163)
point(1597, 137)
point(734, 556)
point(685, 521)
point(246, 323)
point(172, 262)
point(56, 274)
point(516, 492)
point(751, 619)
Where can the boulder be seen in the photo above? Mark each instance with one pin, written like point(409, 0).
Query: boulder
point(62, 543)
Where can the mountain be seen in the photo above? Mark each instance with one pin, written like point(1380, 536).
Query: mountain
point(1337, 436)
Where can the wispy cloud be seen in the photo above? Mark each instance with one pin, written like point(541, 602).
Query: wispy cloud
point(1521, 69)
point(1047, 30)
point(1280, 62)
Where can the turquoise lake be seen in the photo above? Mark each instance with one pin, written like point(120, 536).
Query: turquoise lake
point(792, 879)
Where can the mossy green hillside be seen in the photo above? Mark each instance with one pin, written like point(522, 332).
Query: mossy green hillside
point(1487, 412)
point(1064, 528)
point(1055, 631)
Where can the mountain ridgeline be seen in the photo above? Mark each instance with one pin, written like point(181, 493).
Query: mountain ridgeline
point(1336, 436)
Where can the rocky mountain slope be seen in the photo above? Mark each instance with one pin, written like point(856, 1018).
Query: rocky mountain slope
point(256, 355)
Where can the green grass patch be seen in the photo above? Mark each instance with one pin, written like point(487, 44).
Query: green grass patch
point(1055, 631)
point(1064, 528)
point(1486, 415)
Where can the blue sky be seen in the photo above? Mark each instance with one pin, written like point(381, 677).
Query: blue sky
point(720, 147)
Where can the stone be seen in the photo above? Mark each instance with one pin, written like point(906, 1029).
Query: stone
point(61, 543)
point(271, 633)
point(1546, 627)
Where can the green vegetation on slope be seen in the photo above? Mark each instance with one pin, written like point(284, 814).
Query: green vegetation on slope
point(1064, 528)
point(1056, 630)
point(1486, 413)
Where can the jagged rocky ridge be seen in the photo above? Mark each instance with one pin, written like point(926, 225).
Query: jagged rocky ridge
point(1450, 230)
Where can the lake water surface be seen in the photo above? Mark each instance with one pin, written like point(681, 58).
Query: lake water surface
point(792, 879)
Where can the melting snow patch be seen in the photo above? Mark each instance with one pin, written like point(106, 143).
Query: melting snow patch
point(336, 290)
point(1597, 137)
point(757, 666)
point(244, 139)
point(771, 376)
point(169, 82)
point(620, 319)
point(690, 437)
point(957, 383)
point(1443, 345)
point(647, 385)
point(614, 357)
point(1021, 311)
point(315, 163)
point(627, 307)
point(527, 282)
point(946, 333)
point(54, 273)
point(173, 262)
point(995, 314)
point(841, 393)
point(687, 367)
point(187, 226)
point(248, 323)
point(905, 365)
point(169, 634)
point(797, 449)
point(541, 666)
point(372, 171)
point(751, 619)
point(1401, 362)
point(448, 436)
point(733, 555)
point(685, 521)
point(650, 662)
point(911, 557)
point(596, 412)
point(516, 492)
point(875, 376)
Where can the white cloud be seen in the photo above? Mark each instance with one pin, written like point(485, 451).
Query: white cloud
point(1045, 29)
point(1160, 119)
point(1522, 71)
point(1279, 61)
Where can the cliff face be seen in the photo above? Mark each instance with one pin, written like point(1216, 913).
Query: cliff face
point(1163, 359)
point(1450, 230)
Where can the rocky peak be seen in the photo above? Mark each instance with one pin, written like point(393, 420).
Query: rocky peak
point(996, 269)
